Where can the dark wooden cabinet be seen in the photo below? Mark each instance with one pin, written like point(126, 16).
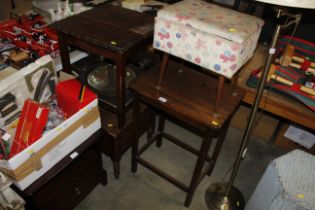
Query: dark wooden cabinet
point(70, 186)
point(116, 141)
point(70, 181)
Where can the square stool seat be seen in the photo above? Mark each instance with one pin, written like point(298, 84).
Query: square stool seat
point(216, 38)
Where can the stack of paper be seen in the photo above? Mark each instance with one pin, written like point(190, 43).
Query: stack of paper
point(300, 136)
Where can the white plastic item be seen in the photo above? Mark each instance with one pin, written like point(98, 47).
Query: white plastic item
point(45, 5)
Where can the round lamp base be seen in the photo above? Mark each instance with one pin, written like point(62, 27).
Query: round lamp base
point(216, 199)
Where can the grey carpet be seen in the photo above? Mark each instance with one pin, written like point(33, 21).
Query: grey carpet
point(145, 190)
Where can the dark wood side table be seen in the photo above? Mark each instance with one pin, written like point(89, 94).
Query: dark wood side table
point(116, 141)
point(69, 181)
point(188, 96)
point(110, 31)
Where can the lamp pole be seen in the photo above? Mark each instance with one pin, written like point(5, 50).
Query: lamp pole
point(243, 148)
point(225, 196)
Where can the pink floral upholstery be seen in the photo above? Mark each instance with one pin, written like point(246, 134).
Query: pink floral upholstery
point(216, 38)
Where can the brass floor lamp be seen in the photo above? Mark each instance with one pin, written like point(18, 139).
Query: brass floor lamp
point(225, 196)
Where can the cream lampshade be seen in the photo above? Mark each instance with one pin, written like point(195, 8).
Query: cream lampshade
point(292, 3)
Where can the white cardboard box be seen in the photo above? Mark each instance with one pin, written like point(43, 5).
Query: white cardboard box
point(33, 162)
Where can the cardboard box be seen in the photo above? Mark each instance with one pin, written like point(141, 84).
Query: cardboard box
point(288, 144)
point(264, 128)
point(37, 159)
point(30, 127)
point(33, 162)
point(22, 83)
point(69, 100)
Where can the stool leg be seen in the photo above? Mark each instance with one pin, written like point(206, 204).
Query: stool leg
point(120, 90)
point(162, 69)
point(203, 152)
point(218, 146)
point(234, 84)
point(219, 93)
point(150, 131)
point(116, 166)
point(135, 145)
point(160, 130)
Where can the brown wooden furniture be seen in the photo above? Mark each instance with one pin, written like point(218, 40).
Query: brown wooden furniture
point(114, 33)
point(189, 97)
point(69, 181)
point(116, 141)
point(220, 85)
point(276, 104)
point(110, 31)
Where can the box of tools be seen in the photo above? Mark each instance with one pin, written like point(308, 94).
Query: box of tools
point(40, 155)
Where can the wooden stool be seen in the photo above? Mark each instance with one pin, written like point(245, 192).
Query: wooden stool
point(218, 39)
point(189, 97)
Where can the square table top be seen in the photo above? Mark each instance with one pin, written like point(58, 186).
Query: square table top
point(111, 27)
point(189, 96)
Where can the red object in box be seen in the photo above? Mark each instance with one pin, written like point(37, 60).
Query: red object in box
point(30, 127)
point(68, 93)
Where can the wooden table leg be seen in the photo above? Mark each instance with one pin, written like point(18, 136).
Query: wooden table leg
point(219, 93)
point(64, 53)
point(136, 124)
point(218, 146)
point(203, 152)
point(234, 84)
point(116, 166)
point(162, 69)
point(150, 131)
point(160, 130)
point(120, 89)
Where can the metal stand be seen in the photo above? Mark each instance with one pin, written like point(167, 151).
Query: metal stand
point(224, 196)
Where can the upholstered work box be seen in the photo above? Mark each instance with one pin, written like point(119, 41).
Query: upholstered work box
point(214, 37)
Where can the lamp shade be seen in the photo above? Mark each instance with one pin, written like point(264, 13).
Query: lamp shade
point(292, 3)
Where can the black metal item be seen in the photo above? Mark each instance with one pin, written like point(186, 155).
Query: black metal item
point(8, 109)
point(6, 99)
point(214, 196)
point(42, 84)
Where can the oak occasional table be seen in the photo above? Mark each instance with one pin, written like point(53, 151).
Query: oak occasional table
point(109, 31)
point(114, 33)
point(188, 96)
